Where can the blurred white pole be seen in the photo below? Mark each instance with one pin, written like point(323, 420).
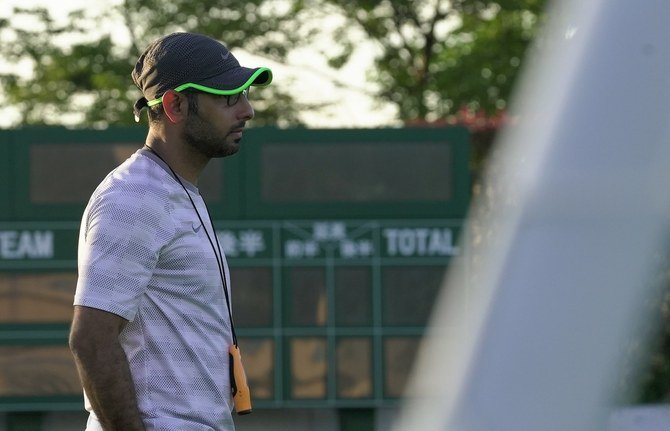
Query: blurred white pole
point(584, 205)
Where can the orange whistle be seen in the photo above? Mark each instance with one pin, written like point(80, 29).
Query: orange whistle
point(238, 382)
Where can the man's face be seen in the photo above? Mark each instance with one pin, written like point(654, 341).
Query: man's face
point(215, 124)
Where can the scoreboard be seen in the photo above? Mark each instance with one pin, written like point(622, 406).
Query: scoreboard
point(337, 240)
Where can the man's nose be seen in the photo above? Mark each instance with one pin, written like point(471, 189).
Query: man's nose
point(244, 109)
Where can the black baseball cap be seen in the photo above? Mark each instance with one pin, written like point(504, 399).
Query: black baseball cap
point(180, 61)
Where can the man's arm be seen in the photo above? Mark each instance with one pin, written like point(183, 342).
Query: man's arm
point(103, 368)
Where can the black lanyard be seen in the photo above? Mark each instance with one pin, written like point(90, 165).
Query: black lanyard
point(219, 255)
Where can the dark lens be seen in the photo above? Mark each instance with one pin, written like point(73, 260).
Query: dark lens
point(232, 99)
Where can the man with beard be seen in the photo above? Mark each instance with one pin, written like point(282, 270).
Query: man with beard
point(152, 326)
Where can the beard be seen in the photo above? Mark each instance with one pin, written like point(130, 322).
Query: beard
point(202, 136)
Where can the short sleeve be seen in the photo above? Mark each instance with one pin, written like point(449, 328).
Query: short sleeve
point(122, 231)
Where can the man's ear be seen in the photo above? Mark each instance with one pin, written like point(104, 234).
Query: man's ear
point(175, 106)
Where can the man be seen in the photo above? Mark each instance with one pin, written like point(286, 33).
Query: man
point(152, 324)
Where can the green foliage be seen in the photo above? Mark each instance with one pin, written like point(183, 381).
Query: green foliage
point(83, 80)
point(62, 77)
point(433, 56)
point(481, 69)
point(438, 56)
point(259, 26)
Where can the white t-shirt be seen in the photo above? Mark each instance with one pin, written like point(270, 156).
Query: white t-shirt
point(144, 255)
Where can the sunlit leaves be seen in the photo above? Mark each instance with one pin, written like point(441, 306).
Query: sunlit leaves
point(438, 55)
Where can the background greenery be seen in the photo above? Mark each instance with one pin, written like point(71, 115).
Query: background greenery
point(433, 58)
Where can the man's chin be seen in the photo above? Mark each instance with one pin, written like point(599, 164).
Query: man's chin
point(228, 150)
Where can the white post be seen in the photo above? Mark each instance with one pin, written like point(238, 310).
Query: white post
point(584, 205)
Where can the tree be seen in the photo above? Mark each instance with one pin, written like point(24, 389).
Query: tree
point(83, 80)
point(436, 56)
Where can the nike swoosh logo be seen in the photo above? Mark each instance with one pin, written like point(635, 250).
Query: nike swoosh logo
point(195, 227)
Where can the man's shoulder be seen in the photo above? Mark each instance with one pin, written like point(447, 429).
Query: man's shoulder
point(138, 181)
point(139, 169)
point(137, 175)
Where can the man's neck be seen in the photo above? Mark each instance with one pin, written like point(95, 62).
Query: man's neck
point(187, 163)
